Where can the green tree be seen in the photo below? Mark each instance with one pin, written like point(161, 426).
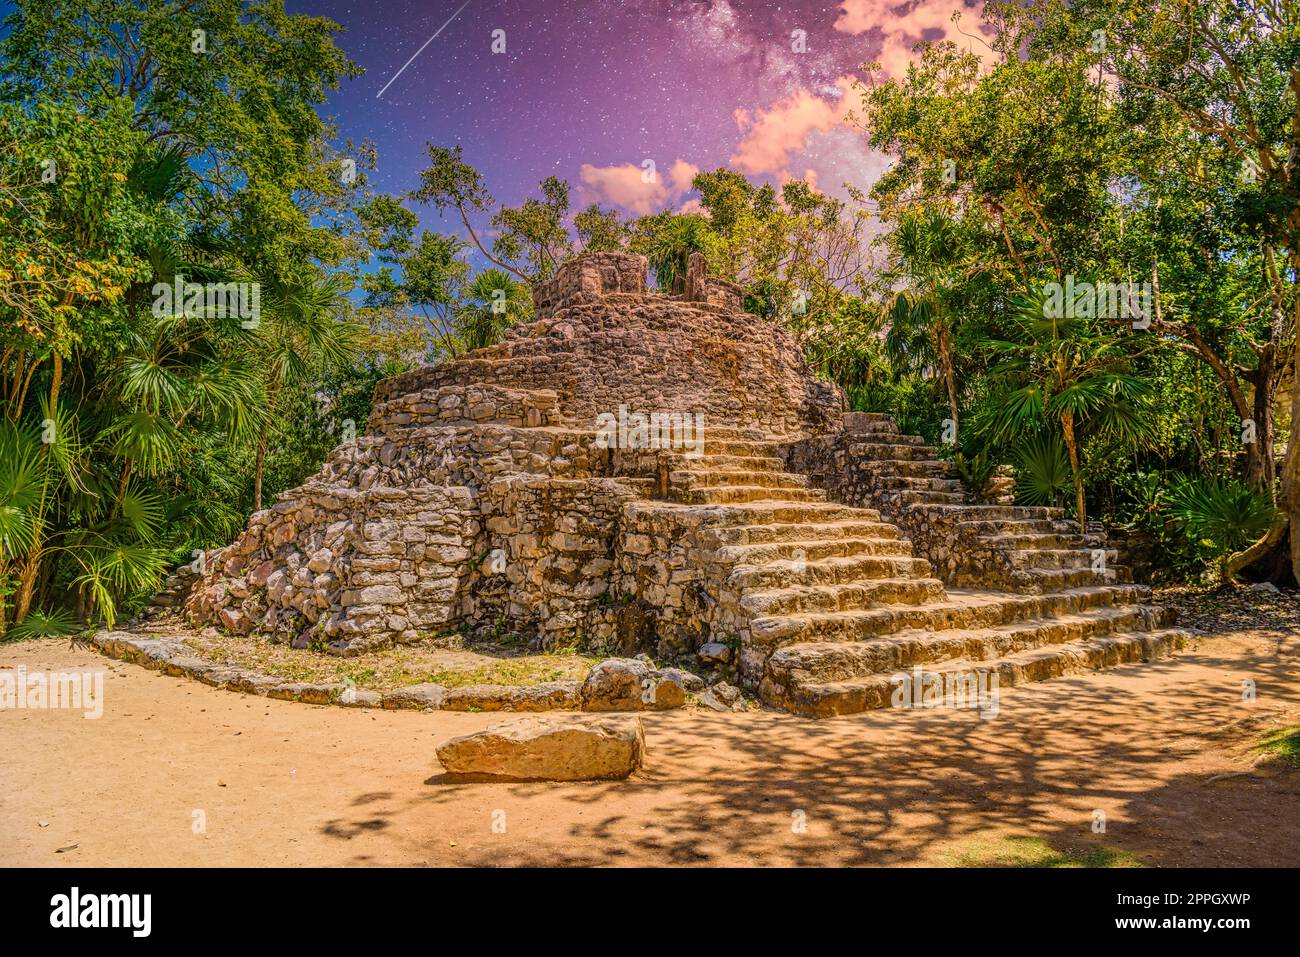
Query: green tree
point(304, 332)
point(492, 303)
point(931, 262)
point(141, 144)
point(601, 230)
point(1066, 373)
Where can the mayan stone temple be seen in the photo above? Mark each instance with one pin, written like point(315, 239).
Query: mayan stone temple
point(657, 473)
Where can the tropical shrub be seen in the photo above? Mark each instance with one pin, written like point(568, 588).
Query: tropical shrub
point(1224, 516)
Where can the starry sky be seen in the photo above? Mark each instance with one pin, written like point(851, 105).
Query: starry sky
point(588, 90)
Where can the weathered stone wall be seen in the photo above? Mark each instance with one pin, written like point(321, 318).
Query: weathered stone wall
point(344, 568)
point(664, 562)
point(475, 405)
point(604, 347)
point(590, 277)
point(549, 547)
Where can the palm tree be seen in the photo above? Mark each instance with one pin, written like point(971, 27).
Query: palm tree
point(304, 329)
point(932, 261)
point(670, 246)
point(24, 480)
point(492, 303)
point(1067, 373)
point(1228, 515)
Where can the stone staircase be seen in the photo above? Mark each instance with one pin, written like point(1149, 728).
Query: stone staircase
point(1024, 548)
point(830, 603)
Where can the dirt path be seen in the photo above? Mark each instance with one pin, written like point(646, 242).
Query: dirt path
point(282, 783)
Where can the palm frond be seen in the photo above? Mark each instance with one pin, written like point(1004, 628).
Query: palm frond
point(44, 624)
point(1043, 470)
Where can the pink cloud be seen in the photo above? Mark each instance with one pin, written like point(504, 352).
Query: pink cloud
point(681, 175)
point(922, 20)
point(772, 134)
point(628, 186)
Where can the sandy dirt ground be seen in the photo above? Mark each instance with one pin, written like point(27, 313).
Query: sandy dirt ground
point(1163, 749)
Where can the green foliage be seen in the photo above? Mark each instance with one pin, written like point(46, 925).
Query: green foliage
point(492, 303)
point(1042, 470)
point(44, 624)
point(600, 230)
point(668, 240)
point(130, 161)
point(1223, 516)
point(975, 470)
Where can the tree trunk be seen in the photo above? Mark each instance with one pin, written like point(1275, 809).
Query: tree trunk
point(4, 600)
point(944, 341)
point(32, 564)
point(263, 441)
point(1261, 470)
point(1072, 446)
point(1278, 552)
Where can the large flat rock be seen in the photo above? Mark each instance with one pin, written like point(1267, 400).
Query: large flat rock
point(553, 748)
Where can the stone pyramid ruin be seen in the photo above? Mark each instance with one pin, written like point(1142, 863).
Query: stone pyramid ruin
point(663, 474)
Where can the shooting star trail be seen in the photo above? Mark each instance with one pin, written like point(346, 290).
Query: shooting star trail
point(421, 50)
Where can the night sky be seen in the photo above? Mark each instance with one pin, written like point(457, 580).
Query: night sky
point(587, 90)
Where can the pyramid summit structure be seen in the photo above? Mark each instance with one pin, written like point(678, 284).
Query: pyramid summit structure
point(663, 474)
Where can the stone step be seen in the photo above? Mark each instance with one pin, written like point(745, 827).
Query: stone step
point(1036, 664)
point(1016, 527)
point(1065, 558)
point(922, 468)
point(825, 662)
point(1038, 581)
point(733, 433)
point(785, 513)
point(892, 450)
point(963, 609)
point(1010, 513)
point(728, 494)
point(858, 426)
point(833, 570)
point(844, 529)
point(1049, 540)
point(812, 600)
point(742, 463)
point(692, 478)
point(767, 449)
point(854, 420)
point(920, 483)
point(811, 550)
point(905, 497)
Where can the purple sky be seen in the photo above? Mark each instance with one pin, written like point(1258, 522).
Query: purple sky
point(588, 90)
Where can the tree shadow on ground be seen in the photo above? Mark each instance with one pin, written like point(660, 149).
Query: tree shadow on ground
point(899, 787)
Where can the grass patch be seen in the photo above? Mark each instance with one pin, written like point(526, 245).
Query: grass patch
point(392, 668)
point(534, 669)
point(1281, 746)
point(1035, 852)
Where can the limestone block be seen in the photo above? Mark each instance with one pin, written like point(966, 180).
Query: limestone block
point(549, 749)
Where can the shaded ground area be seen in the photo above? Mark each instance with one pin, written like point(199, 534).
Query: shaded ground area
point(1165, 751)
